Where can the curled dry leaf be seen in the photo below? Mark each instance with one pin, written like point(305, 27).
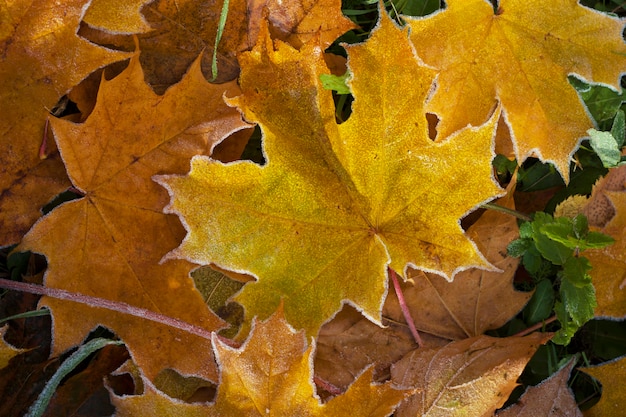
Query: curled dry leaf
point(471, 377)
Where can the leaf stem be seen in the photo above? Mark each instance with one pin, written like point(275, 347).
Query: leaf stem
point(534, 327)
point(117, 306)
point(506, 210)
point(405, 308)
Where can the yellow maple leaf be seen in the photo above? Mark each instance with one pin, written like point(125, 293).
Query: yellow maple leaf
point(108, 244)
point(520, 54)
point(41, 58)
point(269, 375)
point(335, 204)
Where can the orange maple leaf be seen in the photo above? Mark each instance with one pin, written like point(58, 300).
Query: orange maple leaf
point(41, 58)
point(335, 204)
point(269, 375)
point(609, 264)
point(520, 54)
point(109, 243)
point(612, 376)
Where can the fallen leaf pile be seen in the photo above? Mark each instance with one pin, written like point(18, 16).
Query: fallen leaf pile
point(152, 166)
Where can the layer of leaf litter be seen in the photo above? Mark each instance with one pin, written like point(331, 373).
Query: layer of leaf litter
point(335, 205)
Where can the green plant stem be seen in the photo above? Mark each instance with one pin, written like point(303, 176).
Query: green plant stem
point(218, 38)
point(405, 308)
point(39, 406)
point(117, 306)
point(506, 210)
point(27, 314)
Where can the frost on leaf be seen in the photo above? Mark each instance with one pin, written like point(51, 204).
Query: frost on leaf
point(41, 58)
point(520, 54)
point(335, 204)
point(109, 243)
point(269, 375)
point(613, 400)
point(471, 377)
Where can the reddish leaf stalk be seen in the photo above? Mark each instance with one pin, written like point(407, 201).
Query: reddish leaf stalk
point(534, 327)
point(96, 302)
point(405, 308)
point(327, 386)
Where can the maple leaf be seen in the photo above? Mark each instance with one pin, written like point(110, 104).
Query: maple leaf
point(117, 16)
point(477, 300)
point(269, 375)
point(609, 264)
point(335, 204)
point(553, 397)
point(520, 54)
point(612, 376)
point(109, 243)
point(471, 377)
point(41, 58)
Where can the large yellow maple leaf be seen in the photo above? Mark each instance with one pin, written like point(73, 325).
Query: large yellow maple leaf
point(270, 375)
point(41, 58)
point(108, 243)
point(520, 54)
point(335, 204)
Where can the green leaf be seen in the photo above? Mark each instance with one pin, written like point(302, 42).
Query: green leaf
point(575, 271)
point(336, 82)
point(568, 328)
point(518, 247)
point(619, 128)
point(526, 230)
point(602, 102)
point(597, 240)
point(540, 305)
point(605, 145)
point(554, 251)
point(579, 302)
point(580, 226)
